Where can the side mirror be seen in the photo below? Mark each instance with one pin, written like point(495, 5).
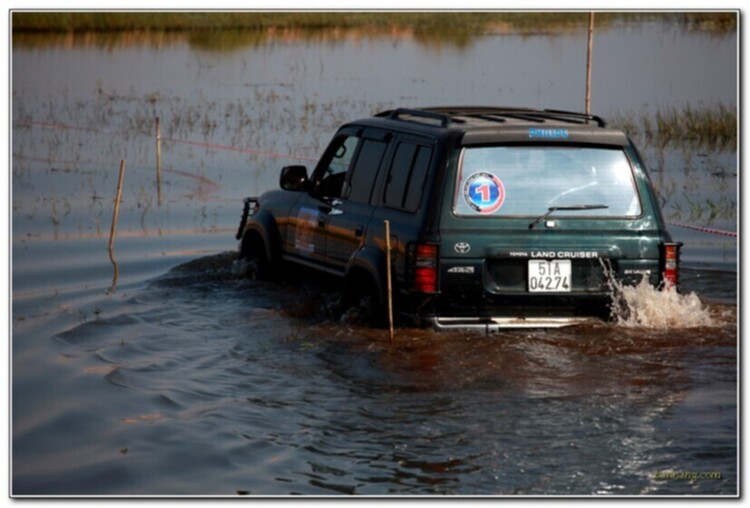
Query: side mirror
point(294, 178)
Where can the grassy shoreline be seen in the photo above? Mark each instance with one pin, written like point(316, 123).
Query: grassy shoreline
point(27, 21)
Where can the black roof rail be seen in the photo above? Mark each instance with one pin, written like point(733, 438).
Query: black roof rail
point(488, 113)
point(396, 114)
point(489, 118)
point(572, 114)
point(529, 117)
point(494, 113)
point(447, 114)
point(477, 110)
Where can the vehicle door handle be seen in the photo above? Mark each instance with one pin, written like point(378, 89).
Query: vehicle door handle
point(330, 210)
point(359, 231)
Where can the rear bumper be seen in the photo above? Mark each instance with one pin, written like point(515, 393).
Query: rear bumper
point(495, 324)
point(492, 314)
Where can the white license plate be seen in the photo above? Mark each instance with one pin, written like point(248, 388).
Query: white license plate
point(549, 276)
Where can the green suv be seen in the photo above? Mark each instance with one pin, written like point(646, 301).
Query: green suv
point(498, 217)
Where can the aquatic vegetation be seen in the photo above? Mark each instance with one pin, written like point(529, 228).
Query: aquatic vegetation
point(713, 128)
point(705, 211)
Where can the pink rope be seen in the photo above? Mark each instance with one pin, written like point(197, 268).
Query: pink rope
point(241, 150)
point(706, 230)
point(260, 153)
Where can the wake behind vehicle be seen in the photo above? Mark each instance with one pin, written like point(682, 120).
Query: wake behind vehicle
point(499, 217)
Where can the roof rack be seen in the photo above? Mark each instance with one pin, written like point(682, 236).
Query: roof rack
point(415, 114)
point(490, 114)
point(447, 114)
point(559, 114)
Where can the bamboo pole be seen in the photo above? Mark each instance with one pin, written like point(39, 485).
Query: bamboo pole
point(113, 229)
point(158, 161)
point(116, 212)
point(388, 278)
point(588, 63)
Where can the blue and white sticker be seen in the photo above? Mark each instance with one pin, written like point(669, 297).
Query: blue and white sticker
point(484, 193)
point(548, 133)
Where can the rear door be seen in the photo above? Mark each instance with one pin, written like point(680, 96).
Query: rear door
point(403, 198)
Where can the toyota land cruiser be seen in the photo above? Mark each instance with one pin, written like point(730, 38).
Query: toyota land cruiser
point(499, 217)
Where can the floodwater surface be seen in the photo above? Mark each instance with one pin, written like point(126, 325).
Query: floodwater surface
point(160, 369)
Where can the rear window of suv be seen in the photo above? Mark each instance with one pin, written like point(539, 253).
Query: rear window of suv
point(528, 180)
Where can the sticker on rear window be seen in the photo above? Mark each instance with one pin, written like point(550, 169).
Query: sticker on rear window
point(484, 192)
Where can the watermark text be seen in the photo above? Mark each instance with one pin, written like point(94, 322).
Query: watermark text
point(687, 476)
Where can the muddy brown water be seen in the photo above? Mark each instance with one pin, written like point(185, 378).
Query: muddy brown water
point(164, 371)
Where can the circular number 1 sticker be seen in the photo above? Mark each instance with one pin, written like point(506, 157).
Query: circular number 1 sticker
point(484, 192)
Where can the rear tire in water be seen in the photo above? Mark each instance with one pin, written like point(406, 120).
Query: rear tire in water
point(362, 302)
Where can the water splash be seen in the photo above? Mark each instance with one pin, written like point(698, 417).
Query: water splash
point(240, 268)
point(644, 305)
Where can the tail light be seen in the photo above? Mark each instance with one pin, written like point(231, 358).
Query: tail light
point(671, 263)
point(425, 268)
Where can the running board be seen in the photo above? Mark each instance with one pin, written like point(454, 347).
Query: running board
point(493, 325)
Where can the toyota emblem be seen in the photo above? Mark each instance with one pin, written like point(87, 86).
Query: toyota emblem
point(462, 247)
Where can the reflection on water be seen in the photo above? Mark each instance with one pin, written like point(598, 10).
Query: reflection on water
point(186, 378)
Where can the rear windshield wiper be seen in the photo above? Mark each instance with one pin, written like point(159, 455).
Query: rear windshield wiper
point(553, 209)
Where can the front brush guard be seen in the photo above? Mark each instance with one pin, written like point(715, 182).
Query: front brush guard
point(248, 202)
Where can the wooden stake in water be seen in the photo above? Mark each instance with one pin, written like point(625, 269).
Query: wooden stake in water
point(113, 230)
point(116, 212)
point(588, 63)
point(388, 278)
point(158, 161)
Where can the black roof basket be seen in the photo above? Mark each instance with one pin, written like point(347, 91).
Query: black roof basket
point(447, 114)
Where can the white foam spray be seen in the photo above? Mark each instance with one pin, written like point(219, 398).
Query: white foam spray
point(645, 306)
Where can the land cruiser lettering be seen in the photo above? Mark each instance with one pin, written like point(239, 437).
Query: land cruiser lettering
point(498, 217)
point(565, 255)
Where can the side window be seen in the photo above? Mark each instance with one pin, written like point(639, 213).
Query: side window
point(329, 182)
point(399, 175)
point(415, 189)
point(404, 186)
point(365, 170)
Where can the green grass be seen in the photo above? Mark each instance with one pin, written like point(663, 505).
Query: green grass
point(714, 127)
point(471, 21)
point(188, 21)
